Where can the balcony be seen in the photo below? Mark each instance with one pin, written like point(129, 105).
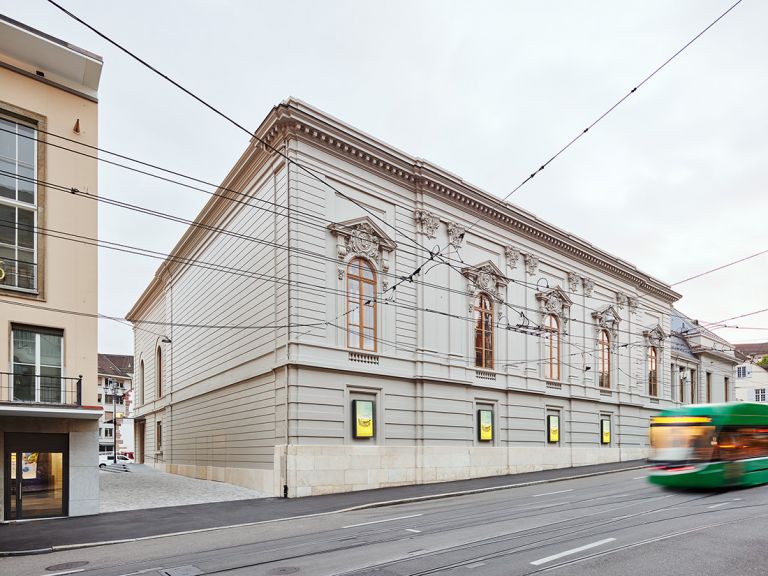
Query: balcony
point(37, 389)
point(18, 275)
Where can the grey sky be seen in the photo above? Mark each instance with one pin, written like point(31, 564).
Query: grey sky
point(673, 181)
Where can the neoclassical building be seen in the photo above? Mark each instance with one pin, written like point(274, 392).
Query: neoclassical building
point(346, 316)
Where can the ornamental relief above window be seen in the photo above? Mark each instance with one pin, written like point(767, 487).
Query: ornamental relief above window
point(485, 277)
point(607, 319)
point(361, 237)
point(555, 302)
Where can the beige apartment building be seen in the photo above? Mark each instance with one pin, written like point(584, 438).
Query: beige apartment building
point(304, 339)
point(48, 284)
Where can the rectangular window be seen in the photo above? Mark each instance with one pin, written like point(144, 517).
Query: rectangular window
point(709, 387)
point(37, 364)
point(159, 435)
point(727, 385)
point(108, 432)
point(18, 206)
point(759, 394)
point(741, 372)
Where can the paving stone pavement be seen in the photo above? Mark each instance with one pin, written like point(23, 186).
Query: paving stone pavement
point(144, 487)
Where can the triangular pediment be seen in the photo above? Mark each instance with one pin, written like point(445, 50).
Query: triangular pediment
point(607, 312)
point(487, 267)
point(365, 225)
point(656, 333)
point(555, 292)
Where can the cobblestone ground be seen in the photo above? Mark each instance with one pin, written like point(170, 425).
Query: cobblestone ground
point(145, 487)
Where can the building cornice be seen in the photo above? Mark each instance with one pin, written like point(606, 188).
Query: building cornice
point(294, 118)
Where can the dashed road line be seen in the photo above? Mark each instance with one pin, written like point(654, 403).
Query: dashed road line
point(380, 521)
point(541, 561)
point(550, 493)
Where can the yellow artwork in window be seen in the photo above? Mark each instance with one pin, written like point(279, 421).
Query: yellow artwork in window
point(605, 431)
point(364, 421)
point(553, 429)
point(485, 424)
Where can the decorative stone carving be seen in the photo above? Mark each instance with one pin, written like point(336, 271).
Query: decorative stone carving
point(361, 237)
point(531, 264)
point(554, 301)
point(655, 336)
point(513, 255)
point(340, 273)
point(426, 222)
point(486, 277)
point(455, 234)
point(621, 300)
point(632, 303)
point(588, 285)
point(573, 281)
point(607, 319)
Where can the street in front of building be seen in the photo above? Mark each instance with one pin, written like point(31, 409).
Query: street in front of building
point(607, 524)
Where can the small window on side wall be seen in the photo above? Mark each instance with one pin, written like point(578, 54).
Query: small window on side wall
point(363, 419)
point(485, 427)
point(553, 428)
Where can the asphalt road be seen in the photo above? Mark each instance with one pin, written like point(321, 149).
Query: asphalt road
point(605, 525)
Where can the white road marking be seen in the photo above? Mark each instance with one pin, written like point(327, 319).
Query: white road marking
point(639, 477)
point(550, 493)
point(380, 521)
point(155, 569)
point(64, 572)
point(723, 503)
point(475, 565)
point(412, 530)
point(571, 551)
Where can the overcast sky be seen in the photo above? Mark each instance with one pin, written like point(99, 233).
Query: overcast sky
point(673, 181)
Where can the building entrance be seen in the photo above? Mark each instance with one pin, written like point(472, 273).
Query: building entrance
point(36, 475)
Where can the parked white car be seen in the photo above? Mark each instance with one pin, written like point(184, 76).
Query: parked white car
point(106, 459)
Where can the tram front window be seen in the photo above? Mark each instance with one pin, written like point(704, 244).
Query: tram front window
point(687, 443)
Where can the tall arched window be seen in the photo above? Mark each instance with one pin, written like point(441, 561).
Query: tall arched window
point(484, 332)
point(140, 394)
point(653, 374)
point(604, 359)
point(361, 305)
point(159, 371)
point(552, 365)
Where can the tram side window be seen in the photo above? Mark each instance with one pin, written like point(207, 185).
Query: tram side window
point(743, 443)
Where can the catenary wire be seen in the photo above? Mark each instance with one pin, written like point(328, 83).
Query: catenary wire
point(614, 106)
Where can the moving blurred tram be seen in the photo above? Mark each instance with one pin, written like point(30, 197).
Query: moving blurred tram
point(710, 446)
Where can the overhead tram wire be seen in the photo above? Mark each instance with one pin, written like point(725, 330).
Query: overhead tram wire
point(612, 108)
point(720, 267)
point(284, 213)
point(251, 135)
point(335, 189)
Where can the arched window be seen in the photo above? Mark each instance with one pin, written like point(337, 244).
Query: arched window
point(552, 365)
point(140, 394)
point(653, 374)
point(604, 359)
point(361, 305)
point(159, 371)
point(484, 332)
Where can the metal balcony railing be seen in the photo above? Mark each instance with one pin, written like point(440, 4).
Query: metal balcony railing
point(18, 274)
point(40, 389)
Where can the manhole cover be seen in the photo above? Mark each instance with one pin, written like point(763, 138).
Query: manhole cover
point(66, 566)
point(283, 570)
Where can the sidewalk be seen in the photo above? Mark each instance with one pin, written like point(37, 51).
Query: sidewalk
point(48, 535)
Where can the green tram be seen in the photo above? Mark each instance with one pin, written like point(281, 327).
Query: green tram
point(710, 446)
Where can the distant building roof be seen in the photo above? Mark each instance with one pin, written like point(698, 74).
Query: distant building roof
point(48, 58)
point(116, 365)
point(754, 349)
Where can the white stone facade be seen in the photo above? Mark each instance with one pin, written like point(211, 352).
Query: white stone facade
point(258, 374)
